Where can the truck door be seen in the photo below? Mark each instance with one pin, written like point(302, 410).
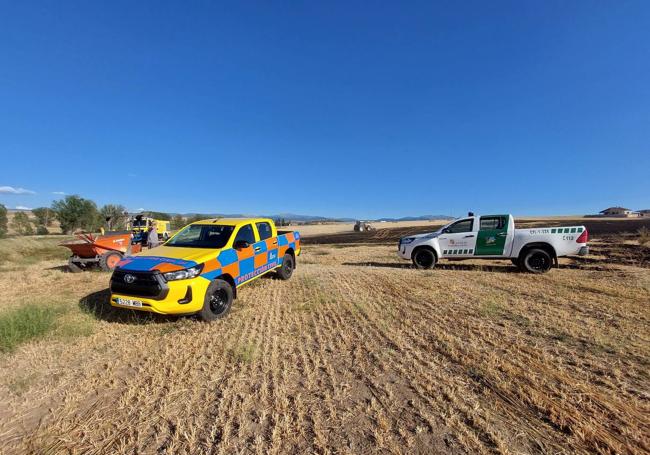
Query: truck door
point(458, 240)
point(266, 248)
point(493, 236)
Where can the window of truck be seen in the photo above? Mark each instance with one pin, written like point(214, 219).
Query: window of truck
point(202, 236)
point(245, 233)
point(460, 226)
point(492, 222)
point(264, 230)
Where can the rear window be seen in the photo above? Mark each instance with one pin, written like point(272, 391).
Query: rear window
point(202, 236)
point(264, 230)
point(492, 223)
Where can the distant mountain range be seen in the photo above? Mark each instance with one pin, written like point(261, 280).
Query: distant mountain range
point(312, 218)
point(419, 218)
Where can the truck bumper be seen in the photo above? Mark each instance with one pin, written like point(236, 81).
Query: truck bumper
point(404, 251)
point(183, 297)
point(583, 251)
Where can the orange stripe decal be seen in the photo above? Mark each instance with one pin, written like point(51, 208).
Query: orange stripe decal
point(209, 266)
point(260, 260)
point(167, 267)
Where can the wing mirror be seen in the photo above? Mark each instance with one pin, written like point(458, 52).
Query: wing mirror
point(241, 244)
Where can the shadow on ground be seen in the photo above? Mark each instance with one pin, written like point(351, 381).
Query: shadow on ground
point(98, 305)
point(466, 267)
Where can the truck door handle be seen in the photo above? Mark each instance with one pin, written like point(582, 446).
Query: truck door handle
point(468, 236)
point(275, 242)
point(502, 234)
point(257, 248)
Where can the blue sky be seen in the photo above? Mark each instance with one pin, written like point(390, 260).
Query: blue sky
point(356, 109)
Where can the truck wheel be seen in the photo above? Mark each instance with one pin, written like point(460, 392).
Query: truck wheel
point(536, 261)
point(424, 258)
point(74, 268)
point(217, 302)
point(286, 269)
point(108, 261)
point(516, 262)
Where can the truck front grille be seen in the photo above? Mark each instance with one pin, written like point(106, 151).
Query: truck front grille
point(142, 284)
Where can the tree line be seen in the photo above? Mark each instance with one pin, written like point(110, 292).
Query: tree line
point(75, 213)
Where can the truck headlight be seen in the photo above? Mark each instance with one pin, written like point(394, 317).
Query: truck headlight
point(184, 274)
point(406, 240)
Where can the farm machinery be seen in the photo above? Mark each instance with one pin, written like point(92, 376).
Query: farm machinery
point(139, 226)
point(363, 226)
point(103, 251)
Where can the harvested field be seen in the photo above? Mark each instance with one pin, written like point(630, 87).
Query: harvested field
point(357, 353)
point(596, 227)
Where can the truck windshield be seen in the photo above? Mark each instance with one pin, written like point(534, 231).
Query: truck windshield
point(202, 236)
point(139, 223)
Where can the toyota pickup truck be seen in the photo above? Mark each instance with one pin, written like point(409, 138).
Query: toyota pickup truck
point(200, 268)
point(533, 250)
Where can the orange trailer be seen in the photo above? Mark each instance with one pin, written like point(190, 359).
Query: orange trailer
point(104, 251)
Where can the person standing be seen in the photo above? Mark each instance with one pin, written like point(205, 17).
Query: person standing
point(152, 238)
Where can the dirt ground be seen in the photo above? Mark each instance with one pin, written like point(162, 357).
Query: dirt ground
point(357, 353)
point(595, 226)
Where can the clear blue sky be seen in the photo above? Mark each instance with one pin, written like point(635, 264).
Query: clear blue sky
point(357, 109)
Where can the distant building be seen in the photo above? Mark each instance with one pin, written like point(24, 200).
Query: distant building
point(620, 212)
point(644, 213)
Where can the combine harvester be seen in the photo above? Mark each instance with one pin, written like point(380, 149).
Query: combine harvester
point(104, 251)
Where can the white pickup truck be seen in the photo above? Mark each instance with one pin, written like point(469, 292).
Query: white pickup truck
point(495, 237)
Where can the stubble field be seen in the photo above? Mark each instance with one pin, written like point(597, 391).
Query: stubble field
point(357, 353)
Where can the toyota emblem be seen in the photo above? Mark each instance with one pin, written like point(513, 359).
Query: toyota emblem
point(129, 279)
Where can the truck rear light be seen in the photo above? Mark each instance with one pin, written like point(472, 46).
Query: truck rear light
point(583, 238)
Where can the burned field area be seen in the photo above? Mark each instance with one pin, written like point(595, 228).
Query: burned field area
point(357, 353)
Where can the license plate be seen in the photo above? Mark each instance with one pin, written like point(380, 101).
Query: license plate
point(128, 302)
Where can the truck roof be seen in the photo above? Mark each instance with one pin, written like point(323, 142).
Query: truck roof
point(232, 221)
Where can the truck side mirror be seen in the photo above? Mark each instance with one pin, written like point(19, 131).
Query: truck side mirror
point(241, 244)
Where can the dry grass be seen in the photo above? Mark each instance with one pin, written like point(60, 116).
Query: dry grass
point(345, 357)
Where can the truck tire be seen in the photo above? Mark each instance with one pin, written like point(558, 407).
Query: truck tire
point(108, 261)
point(516, 262)
point(424, 258)
point(285, 271)
point(218, 301)
point(74, 268)
point(536, 260)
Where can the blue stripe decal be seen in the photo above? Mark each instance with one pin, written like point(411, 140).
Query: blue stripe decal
point(282, 240)
point(261, 245)
point(227, 257)
point(144, 263)
point(211, 275)
point(246, 266)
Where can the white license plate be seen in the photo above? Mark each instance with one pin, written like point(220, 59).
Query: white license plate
point(128, 302)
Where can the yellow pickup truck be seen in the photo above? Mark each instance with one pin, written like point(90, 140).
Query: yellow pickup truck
point(199, 269)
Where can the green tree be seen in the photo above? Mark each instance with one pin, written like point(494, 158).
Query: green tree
point(44, 215)
point(117, 214)
point(74, 212)
point(159, 216)
point(177, 222)
point(42, 230)
point(196, 217)
point(3, 220)
point(21, 224)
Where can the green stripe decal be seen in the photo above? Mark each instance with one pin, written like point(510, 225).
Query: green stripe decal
point(553, 231)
